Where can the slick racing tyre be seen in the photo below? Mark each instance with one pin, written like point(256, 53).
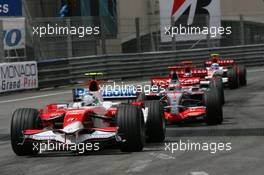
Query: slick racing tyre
point(214, 110)
point(233, 79)
point(23, 119)
point(218, 84)
point(131, 128)
point(155, 122)
point(242, 75)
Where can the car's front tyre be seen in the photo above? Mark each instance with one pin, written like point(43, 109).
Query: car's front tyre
point(214, 109)
point(23, 119)
point(155, 123)
point(131, 128)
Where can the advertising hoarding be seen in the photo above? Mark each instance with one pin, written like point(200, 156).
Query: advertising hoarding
point(189, 16)
point(18, 76)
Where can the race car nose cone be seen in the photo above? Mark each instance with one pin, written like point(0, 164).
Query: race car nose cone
point(73, 127)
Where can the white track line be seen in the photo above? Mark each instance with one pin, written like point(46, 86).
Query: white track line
point(35, 97)
point(138, 166)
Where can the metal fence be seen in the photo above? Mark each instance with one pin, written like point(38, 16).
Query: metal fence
point(129, 35)
point(130, 66)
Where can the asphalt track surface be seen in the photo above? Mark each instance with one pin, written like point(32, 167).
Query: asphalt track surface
point(243, 127)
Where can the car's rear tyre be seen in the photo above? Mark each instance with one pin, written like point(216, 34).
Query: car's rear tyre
point(155, 122)
point(218, 84)
point(23, 119)
point(214, 110)
point(131, 128)
point(242, 75)
point(233, 79)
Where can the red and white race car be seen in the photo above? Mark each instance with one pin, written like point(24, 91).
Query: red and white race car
point(184, 97)
point(191, 77)
point(88, 120)
point(232, 74)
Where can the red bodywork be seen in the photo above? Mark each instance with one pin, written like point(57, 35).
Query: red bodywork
point(54, 116)
point(186, 83)
point(226, 63)
point(59, 116)
point(188, 113)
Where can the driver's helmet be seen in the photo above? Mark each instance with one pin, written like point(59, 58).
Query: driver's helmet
point(215, 55)
point(215, 66)
point(174, 77)
point(188, 72)
point(89, 99)
point(175, 87)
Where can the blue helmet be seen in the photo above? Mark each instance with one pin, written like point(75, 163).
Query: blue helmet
point(215, 66)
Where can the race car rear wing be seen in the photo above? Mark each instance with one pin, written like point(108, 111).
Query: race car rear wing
point(78, 93)
point(106, 94)
point(162, 82)
point(121, 94)
point(195, 72)
point(187, 67)
point(226, 62)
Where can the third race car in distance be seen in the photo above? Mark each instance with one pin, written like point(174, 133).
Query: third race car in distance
point(232, 75)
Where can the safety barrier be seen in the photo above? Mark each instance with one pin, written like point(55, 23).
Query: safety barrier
point(131, 66)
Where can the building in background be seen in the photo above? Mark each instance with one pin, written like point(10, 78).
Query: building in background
point(135, 26)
